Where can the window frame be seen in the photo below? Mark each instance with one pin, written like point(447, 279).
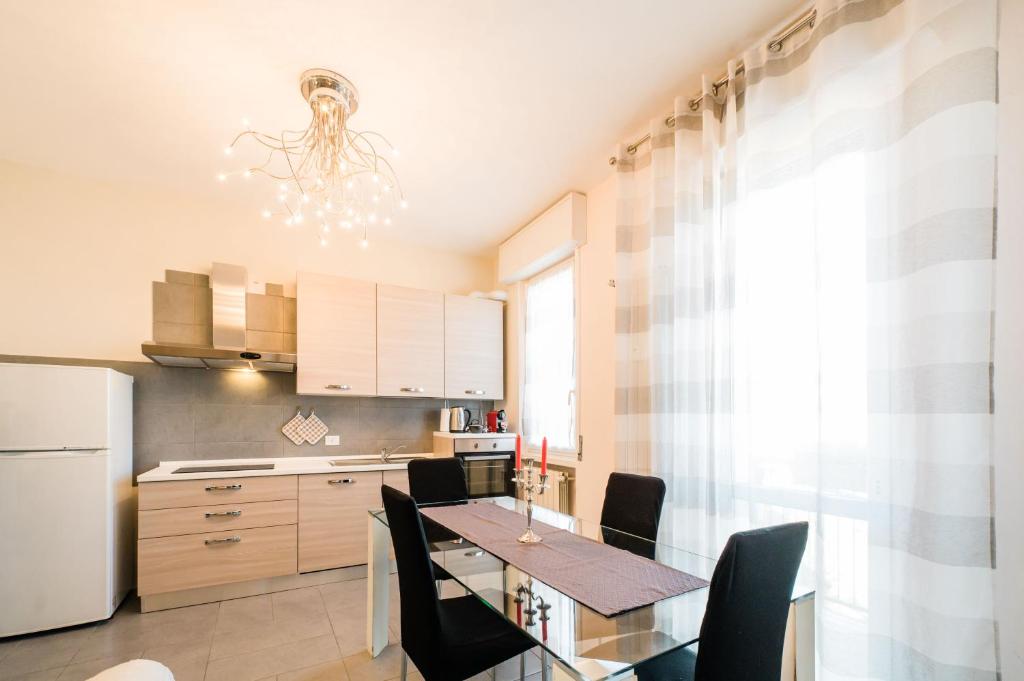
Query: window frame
point(573, 452)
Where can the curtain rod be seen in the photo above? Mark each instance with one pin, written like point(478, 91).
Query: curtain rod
point(774, 45)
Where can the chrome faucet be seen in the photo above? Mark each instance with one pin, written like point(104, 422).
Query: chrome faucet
point(386, 453)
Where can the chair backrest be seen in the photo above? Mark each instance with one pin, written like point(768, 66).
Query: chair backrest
point(433, 481)
point(421, 621)
point(632, 503)
point(748, 605)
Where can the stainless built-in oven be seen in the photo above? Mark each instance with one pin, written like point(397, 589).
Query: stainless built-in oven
point(489, 465)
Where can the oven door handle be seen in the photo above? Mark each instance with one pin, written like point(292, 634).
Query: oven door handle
point(485, 457)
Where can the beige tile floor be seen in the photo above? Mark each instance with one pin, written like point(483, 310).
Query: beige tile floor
point(310, 634)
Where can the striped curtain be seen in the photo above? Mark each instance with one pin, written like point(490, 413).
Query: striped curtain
point(805, 276)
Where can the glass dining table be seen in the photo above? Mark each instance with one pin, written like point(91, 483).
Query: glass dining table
point(579, 642)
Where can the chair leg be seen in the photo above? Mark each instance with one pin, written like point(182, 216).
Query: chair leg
point(405, 665)
point(522, 666)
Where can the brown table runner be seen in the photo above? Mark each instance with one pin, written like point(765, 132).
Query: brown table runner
point(604, 578)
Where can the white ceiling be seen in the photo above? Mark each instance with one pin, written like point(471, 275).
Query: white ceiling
point(498, 107)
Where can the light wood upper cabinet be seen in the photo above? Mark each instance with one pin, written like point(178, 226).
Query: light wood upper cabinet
point(473, 348)
point(410, 342)
point(337, 336)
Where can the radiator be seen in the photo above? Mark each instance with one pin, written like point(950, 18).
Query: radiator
point(559, 495)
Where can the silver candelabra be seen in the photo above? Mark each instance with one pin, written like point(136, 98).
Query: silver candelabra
point(528, 486)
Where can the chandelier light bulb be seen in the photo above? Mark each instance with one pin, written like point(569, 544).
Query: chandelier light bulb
point(283, 187)
point(364, 244)
point(288, 221)
point(265, 214)
point(387, 221)
point(298, 218)
point(328, 205)
point(323, 241)
point(245, 124)
point(227, 151)
point(394, 151)
point(403, 204)
point(350, 212)
point(282, 198)
point(376, 178)
point(247, 174)
point(349, 184)
point(222, 177)
point(376, 198)
point(305, 198)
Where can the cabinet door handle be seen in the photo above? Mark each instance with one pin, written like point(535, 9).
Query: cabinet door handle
point(476, 392)
point(226, 540)
point(342, 481)
point(222, 514)
point(337, 386)
point(412, 390)
point(214, 488)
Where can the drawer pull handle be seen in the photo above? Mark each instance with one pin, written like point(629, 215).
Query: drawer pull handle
point(342, 481)
point(476, 392)
point(226, 540)
point(214, 488)
point(412, 390)
point(337, 386)
point(222, 514)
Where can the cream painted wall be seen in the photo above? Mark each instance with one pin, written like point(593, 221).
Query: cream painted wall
point(1009, 344)
point(77, 258)
point(597, 350)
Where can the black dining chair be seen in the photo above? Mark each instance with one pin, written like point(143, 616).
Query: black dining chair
point(744, 624)
point(450, 639)
point(438, 481)
point(632, 505)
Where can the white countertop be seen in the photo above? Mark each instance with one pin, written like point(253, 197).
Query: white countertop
point(288, 465)
point(460, 436)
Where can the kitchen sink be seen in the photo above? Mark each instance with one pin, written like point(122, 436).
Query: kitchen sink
point(375, 460)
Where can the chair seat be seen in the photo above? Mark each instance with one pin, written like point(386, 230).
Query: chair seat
point(475, 637)
point(677, 665)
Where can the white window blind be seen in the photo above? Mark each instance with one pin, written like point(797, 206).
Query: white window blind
point(549, 408)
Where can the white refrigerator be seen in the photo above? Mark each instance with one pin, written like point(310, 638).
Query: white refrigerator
point(67, 506)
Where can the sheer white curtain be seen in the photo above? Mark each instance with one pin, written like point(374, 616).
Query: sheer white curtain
point(805, 281)
point(549, 358)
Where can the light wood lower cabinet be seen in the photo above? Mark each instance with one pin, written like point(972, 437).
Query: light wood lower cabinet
point(332, 518)
point(198, 533)
point(397, 479)
point(197, 560)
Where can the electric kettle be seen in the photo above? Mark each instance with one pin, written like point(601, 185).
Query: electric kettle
point(458, 420)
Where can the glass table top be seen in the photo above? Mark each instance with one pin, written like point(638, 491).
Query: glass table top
point(587, 644)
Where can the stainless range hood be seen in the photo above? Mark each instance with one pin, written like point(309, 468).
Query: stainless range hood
point(213, 358)
point(229, 350)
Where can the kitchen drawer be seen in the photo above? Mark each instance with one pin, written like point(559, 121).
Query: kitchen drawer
point(333, 513)
point(182, 493)
point(197, 560)
point(169, 522)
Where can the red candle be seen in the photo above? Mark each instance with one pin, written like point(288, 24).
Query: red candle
point(544, 457)
point(519, 452)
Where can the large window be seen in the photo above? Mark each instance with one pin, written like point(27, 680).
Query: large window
point(549, 389)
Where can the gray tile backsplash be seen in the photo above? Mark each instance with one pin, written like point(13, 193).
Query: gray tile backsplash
point(183, 414)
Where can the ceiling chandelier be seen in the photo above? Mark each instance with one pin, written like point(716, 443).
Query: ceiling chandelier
point(328, 175)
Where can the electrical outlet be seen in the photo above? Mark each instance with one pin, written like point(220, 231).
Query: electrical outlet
point(332, 440)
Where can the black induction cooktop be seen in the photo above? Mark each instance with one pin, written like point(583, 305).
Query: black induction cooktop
point(225, 469)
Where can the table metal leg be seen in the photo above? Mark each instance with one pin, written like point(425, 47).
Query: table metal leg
point(544, 674)
point(377, 588)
